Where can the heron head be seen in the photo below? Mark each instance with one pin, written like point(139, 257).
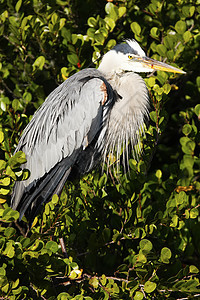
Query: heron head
point(129, 56)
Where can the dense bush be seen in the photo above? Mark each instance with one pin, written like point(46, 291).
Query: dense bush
point(135, 237)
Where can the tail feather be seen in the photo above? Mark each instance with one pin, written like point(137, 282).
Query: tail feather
point(41, 191)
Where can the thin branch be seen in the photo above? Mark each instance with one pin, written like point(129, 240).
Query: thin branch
point(186, 298)
point(64, 251)
point(20, 229)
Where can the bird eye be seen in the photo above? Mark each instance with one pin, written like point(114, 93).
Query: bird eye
point(130, 56)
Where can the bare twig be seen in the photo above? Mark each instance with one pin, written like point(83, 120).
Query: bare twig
point(64, 251)
point(20, 229)
point(186, 298)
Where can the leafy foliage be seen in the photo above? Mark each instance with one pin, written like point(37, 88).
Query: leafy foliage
point(135, 237)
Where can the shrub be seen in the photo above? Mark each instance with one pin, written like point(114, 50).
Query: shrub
point(132, 238)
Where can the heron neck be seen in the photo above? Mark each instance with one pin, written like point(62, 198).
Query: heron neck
point(112, 77)
point(110, 67)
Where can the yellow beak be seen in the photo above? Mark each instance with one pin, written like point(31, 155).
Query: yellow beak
point(157, 65)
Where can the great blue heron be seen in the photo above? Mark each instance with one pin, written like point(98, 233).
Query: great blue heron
point(92, 114)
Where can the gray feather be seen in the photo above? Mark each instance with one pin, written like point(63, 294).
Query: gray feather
point(59, 127)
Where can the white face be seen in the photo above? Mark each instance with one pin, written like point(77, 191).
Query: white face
point(128, 62)
point(130, 57)
point(134, 63)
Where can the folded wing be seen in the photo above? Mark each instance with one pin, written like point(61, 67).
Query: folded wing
point(63, 127)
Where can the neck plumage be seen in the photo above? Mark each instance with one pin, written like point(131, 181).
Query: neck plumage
point(109, 66)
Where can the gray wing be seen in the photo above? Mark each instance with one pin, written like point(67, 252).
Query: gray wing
point(67, 122)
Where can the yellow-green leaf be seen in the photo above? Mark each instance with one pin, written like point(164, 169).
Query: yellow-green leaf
point(135, 27)
point(165, 255)
point(1, 136)
point(180, 27)
point(149, 286)
point(18, 5)
point(194, 269)
point(121, 11)
point(5, 181)
point(39, 63)
point(94, 282)
point(138, 296)
point(194, 213)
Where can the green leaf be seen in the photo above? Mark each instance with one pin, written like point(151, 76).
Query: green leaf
point(155, 32)
point(186, 11)
point(62, 23)
point(1, 137)
point(63, 296)
point(194, 269)
point(55, 199)
point(2, 271)
point(197, 107)
point(92, 22)
point(72, 58)
point(10, 250)
point(16, 104)
point(180, 27)
point(146, 246)
point(36, 246)
point(66, 34)
point(153, 116)
point(121, 11)
point(194, 212)
point(9, 232)
point(103, 280)
point(110, 22)
point(159, 174)
point(187, 129)
point(18, 159)
point(39, 63)
point(10, 173)
point(188, 145)
point(112, 11)
point(166, 88)
point(151, 81)
point(111, 43)
point(94, 282)
point(141, 258)
point(18, 5)
point(5, 181)
point(168, 42)
point(4, 191)
point(54, 18)
point(161, 49)
point(174, 221)
point(17, 291)
point(53, 246)
point(99, 38)
point(5, 288)
point(149, 286)
point(135, 27)
point(165, 255)
point(138, 296)
point(187, 36)
point(102, 180)
point(10, 215)
point(192, 10)
point(27, 97)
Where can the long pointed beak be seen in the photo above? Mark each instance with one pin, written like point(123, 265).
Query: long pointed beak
point(157, 65)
